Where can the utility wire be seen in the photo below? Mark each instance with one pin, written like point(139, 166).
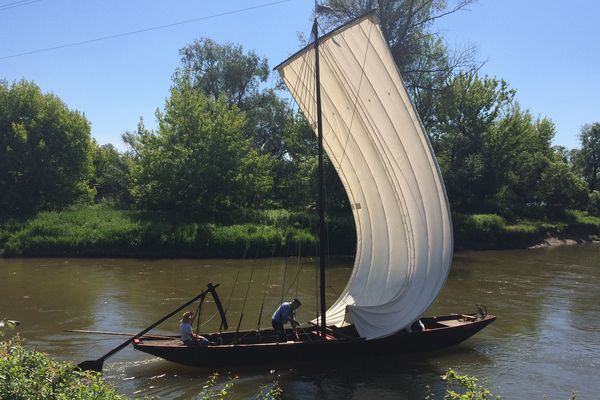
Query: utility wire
point(16, 4)
point(154, 28)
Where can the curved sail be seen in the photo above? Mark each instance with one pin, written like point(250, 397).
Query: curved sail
point(375, 139)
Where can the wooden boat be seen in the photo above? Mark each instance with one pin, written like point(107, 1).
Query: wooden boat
point(260, 347)
point(349, 89)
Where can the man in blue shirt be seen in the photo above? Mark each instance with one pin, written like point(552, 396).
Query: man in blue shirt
point(285, 313)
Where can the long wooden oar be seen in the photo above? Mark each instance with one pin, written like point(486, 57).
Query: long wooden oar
point(119, 334)
point(96, 365)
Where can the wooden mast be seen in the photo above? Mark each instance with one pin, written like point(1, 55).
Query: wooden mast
point(321, 197)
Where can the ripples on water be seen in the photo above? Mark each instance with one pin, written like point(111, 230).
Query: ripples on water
point(546, 341)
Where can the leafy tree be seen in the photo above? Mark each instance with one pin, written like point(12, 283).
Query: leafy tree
point(495, 157)
point(464, 116)
point(222, 70)
point(216, 70)
point(198, 162)
point(587, 159)
point(421, 55)
point(45, 158)
point(594, 203)
point(560, 189)
point(294, 184)
point(111, 177)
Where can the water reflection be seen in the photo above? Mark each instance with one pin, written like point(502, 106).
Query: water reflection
point(546, 340)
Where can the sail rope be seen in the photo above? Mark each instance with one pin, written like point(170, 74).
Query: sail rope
point(262, 304)
point(198, 314)
point(252, 269)
point(235, 283)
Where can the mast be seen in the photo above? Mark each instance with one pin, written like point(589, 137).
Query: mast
point(321, 182)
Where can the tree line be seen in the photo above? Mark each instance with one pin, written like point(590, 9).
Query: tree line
point(226, 142)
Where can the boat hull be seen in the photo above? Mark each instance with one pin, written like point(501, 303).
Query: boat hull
point(440, 332)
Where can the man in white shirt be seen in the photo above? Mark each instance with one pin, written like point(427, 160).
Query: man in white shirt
point(187, 334)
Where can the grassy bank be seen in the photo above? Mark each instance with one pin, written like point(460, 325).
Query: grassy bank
point(490, 231)
point(100, 231)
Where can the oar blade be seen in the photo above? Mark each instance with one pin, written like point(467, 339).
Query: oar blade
point(91, 365)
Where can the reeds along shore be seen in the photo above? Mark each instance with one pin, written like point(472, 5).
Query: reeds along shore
point(102, 231)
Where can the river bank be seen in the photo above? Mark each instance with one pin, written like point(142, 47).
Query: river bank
point(101, 231)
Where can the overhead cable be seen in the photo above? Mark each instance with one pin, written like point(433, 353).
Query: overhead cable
point(16, 4)
point(154, 28)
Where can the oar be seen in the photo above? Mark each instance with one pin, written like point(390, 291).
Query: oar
point(96, 365)
point(119, 334)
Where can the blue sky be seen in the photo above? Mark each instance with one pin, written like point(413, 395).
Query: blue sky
point(548, 50)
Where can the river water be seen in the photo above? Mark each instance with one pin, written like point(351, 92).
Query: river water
point(544, 344)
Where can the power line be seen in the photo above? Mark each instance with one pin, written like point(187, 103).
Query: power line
point(154, 28)
point(16, 4)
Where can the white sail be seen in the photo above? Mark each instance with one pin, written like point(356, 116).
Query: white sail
point(375, 140)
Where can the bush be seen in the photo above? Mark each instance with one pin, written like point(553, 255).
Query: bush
point(465, 387)
point(26, 374)
point(478, 230)
point(582, 222)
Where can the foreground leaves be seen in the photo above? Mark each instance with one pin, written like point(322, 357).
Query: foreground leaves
point(26, 374)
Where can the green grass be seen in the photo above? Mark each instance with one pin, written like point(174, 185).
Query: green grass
point(102, 231)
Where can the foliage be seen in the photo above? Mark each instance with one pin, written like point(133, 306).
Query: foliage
point(496, 158)
point(112, 175)
point(465, 387)
point(594, 203)
point(29, 374)
point(468, 387)
point(421, 56)
point(102, 231)
point(44, 151)
point(216, 70)
point(582, 222)
point(465, 117)
point(211, 389)
point(587, 159)
point(221, 70)
point(483, 223)
point(426, 63)
point(198, 162)
point(26, 374)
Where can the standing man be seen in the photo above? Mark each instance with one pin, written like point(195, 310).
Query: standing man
point(286, 313)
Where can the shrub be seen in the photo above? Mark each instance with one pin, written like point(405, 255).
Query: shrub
point(26, 374)
point(465, 387)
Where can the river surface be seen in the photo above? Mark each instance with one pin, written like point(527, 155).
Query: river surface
point(544, 344)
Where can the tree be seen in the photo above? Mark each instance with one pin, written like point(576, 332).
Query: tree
point(587, 159)
point(222, 70)
point(198, 162)
point(421, 55)
point(464, 116)
point(45, 158)
point(561, 190)
point(111, 177)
